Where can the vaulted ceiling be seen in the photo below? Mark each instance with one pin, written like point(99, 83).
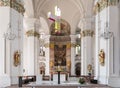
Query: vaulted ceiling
point(71, 10)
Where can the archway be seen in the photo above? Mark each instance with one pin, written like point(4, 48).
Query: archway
point(78, 69)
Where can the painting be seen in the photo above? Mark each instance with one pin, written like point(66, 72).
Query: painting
point(60, 55)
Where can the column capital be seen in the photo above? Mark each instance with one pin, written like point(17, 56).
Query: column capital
point(32, 33)
point(87, 32)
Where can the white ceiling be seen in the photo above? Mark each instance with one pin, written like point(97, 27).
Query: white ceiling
point(71, 10)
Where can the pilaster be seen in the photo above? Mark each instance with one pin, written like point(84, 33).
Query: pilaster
point(86, 45)
point(73, 43)
point(114, 77)
point(30, 39)
point(47, 54)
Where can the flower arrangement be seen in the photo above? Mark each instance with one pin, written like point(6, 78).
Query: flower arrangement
point(81, 80)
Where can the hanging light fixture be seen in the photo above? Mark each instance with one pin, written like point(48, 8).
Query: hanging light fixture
point(107, 34)
point(10, 35)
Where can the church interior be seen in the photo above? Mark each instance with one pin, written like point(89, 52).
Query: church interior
point(60, 42)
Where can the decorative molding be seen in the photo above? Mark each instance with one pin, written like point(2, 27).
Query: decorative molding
point(32, 33)
point(102, 4)
point(13, 4)
point(85, 33)
point(69, 45)
point(60, 38)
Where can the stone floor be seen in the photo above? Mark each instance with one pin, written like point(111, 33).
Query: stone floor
point(50, 84)
point(61, 86)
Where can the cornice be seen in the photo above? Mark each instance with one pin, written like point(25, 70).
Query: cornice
point(13, 4)
point(32, 33)
point(102, 4)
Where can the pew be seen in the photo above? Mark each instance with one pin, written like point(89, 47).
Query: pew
point(25, 80)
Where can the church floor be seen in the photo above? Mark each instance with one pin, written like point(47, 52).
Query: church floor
point(68, 86)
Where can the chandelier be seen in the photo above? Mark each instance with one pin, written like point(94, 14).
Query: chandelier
point(9, 34)
point(56, 18)
point(107, 34)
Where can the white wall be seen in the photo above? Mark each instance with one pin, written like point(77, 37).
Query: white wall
point(4, 72)
point(114, 79)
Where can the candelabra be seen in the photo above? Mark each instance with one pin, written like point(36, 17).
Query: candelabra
point(9, 34)
point(107, 34)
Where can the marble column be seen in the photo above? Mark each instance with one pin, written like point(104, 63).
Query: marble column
point(47, 54)
point(73, 42)
point(86, 45)
point(29, 46)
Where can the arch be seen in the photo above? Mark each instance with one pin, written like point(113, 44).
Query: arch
point(78, 69)
point(43, 26)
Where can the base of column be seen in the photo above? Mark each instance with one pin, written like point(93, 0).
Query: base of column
point(114, 81)
point(14, 80)
point(103, 80)
point(4, 80)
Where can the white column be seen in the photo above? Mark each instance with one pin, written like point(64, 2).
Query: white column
point(29, 47)
point(47, 54)
point(86, 45)
point(73, 42)
point(96, 61)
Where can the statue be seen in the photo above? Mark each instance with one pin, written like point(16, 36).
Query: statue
point(89, 68)
point(16, 58)
point(102, 57)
